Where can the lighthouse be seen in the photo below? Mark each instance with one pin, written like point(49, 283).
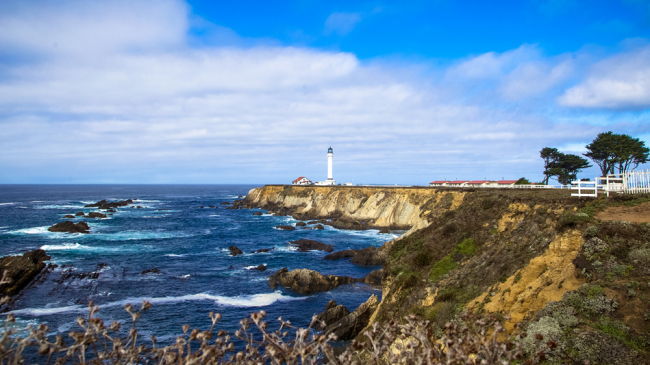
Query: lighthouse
point(330, 157)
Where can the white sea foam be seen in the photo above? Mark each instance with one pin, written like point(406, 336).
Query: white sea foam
point(59, 206)
point(184, 276)
point(245, 301)
point(86, 248)
point(6, 204)
point(174, 255)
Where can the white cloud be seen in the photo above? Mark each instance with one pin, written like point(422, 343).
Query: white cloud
point(618, 82)
point(341, 23)
point(156, 107)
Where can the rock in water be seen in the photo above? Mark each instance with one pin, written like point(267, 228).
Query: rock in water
point(80, 214)
point(286, 228)
point(96, 215)
point(333, 313)
point(153, 271)
point(68, 226)
point(301, 224)
point(374, 277)
point(384, 230)
point(305, 245)
point(257, 213)
point(305, 281)
point(103, 204)
point(370, 258)
point(234, 251)
point(21, 270)
point(351, 325)
point(319, 226)
point(341, 254)
point(68, 216)
point(261, 267)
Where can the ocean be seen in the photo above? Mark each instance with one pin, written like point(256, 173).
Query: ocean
point(188, 245)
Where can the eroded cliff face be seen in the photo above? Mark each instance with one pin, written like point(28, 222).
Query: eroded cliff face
point(395, 208)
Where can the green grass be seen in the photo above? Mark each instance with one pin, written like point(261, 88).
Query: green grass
point(467, 247)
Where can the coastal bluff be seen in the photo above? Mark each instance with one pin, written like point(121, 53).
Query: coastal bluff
point(404, 208)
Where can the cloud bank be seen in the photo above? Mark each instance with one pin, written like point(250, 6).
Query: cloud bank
point(118, 92)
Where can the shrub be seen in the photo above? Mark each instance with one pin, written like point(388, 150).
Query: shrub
point(544, 336)
point(591, 231)
point(407, 343)
point(442, 267)
point(594, 246)
point(640, 256)
point(467, 247)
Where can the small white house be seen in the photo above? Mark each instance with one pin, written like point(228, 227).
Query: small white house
point(476, 183)
point(439, 183)
point(302, 181)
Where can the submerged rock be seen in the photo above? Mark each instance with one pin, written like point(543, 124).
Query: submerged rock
point(257, 213)
point(305, 281)
point(341, 254)
point(234, 251)
point(21, 270)
point(305, 245)
point(80, 214)
point(286, 228)
point(261, 267)
point(153, 271)
point(68, 216)
point(263, 250)
point(319, 226)
point(70, 227)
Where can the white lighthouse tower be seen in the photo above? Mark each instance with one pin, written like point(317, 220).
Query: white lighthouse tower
point(330, 157)
point(330, 179)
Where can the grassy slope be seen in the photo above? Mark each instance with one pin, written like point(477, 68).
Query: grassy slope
point(529, 244)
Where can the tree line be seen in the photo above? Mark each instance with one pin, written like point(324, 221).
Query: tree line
point(609, 151)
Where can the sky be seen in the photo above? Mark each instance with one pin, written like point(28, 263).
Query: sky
point(405, 92)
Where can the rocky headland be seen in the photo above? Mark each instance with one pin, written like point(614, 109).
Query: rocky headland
point(552, 266)
point(19, 271)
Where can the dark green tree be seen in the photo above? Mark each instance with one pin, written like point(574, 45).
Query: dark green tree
point(611, 151)
point(563, 167)
point(548, 155)
point(522, 181)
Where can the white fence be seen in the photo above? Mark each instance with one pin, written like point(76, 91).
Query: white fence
point(628, 183)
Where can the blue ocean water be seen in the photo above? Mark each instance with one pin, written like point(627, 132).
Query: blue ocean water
point(186, 243)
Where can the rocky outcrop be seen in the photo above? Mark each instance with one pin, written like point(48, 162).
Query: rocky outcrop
point(286, 228)
point(305, 281)
point(375, 277)
point(103, 204)
point(384, 230)
point(357, 207)
point(351, 325)
point(370, 257)
point(234, 251)
point(333, 312)
point(305, 245)
point(70, 227)
point(346, 253)
point(20, 270)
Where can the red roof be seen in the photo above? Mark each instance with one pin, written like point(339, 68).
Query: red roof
point(439, 182)
point(300, 178)
point(478, 182)
point(458, 181)
point(500, 182)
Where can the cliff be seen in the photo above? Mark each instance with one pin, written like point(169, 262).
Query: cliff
point(363, 207)
point(569, 278)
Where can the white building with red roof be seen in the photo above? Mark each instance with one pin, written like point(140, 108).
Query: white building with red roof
point(475, 183)
point(302, 181)
point(458, 183)
point(439, 183)
point(503, 183)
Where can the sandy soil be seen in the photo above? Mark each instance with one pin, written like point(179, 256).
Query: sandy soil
point(638, 214)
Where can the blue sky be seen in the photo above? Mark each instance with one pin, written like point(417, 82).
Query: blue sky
point(169, 91)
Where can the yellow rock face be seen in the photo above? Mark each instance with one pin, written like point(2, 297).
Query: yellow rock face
point(545, 279)
point(384, 206)
point(510, 220)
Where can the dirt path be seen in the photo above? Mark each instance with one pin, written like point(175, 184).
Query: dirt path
point(638, 214)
